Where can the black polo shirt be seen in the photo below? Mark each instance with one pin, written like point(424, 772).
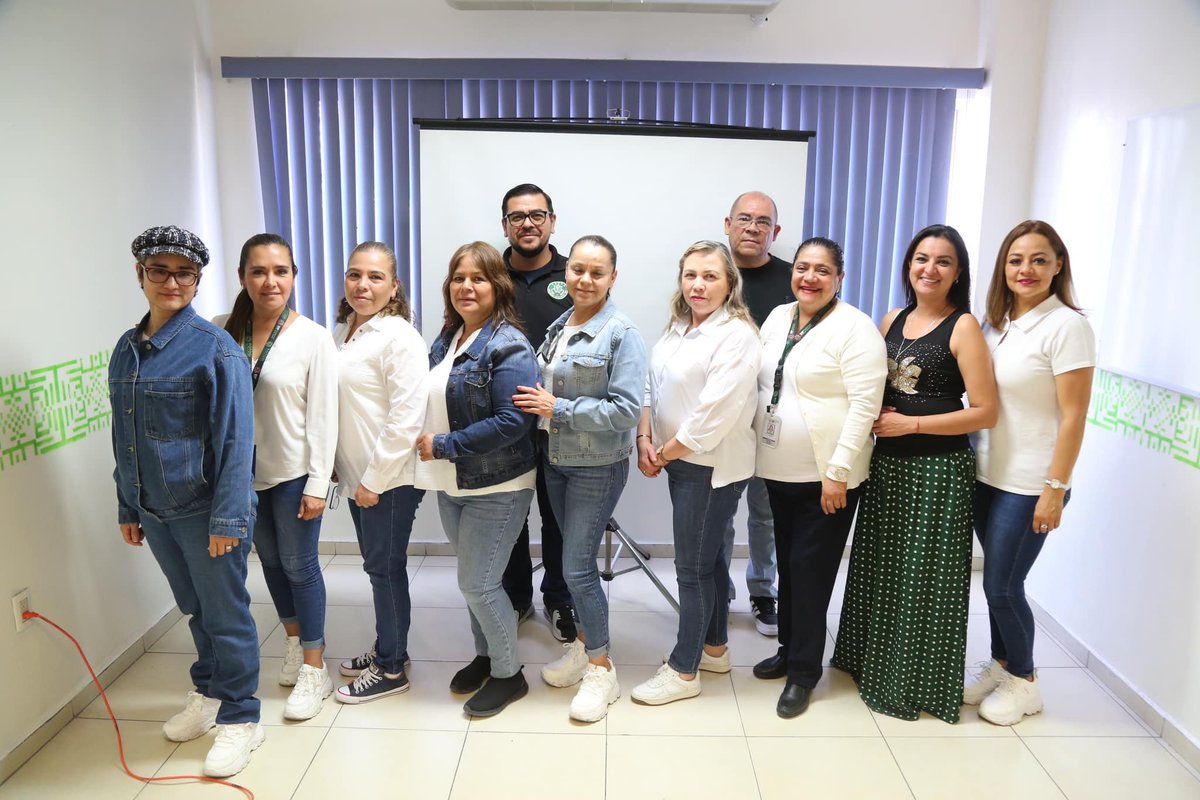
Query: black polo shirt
point(541, 294)
point(765, 287)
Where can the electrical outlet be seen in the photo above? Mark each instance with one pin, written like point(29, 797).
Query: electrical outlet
point(20, 603)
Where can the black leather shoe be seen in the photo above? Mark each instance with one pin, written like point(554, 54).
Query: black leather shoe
point(771, 668)
point(793, 701)
point(496, 695)
point(472, 676)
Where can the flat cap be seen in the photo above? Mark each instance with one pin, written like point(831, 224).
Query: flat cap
point(170, 239)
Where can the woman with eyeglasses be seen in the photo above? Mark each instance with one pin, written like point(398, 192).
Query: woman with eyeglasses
point(294, 376)
point(381, 407)
point(183, 438)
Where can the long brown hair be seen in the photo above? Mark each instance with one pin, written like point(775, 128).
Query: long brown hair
point(243, 306)
point(398, 305)
point(491, 263)
point(734, 305)
point(1000, 297)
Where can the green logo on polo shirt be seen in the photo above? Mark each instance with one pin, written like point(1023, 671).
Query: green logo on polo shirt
point(557, 290)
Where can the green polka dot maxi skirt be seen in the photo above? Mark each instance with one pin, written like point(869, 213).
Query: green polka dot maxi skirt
point(903, 631)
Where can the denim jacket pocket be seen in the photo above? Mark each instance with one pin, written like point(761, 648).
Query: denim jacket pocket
point(589, 373)
point(170, 415)
point(479, 388)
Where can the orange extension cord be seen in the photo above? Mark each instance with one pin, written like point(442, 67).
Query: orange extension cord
point(111, 716)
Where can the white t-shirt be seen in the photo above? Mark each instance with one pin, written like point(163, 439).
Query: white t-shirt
point(1045, 341)
point(441, 474)
point(560, 346)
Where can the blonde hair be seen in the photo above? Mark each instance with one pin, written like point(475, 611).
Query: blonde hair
point(734, 305)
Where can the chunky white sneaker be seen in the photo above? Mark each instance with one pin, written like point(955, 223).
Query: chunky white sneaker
point(598, 691)
point(292, 660)
point(665, 686)
point(1014, 699)
point(313, 685)
point(197, 717)
point(987, 677)
point(715, 663)
point(569, 669)
point(230, 753)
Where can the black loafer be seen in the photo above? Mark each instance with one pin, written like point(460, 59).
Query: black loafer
point(793, 701)
point(771, 668)
point(472, 676)
point(497, 695)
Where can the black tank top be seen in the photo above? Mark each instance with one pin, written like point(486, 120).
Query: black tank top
point(923, 379)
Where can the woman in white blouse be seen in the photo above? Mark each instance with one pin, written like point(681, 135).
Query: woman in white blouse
point(381, 369)
point(696, 424)
point(1043, 352)
point(820, 387)
point(294, 373)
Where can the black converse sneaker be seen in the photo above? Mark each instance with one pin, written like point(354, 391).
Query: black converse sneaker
point(372, 684)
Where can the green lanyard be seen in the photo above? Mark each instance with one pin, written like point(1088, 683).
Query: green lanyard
point(248, 343)
point(794, 336)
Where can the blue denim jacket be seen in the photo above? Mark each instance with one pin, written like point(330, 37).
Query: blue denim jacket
point(599, 381)
point(490, 439)
point(183, 425)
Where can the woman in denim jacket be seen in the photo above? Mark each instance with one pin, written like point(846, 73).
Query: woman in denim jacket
point(183, 434)
point(478, 455)
point(594, 361)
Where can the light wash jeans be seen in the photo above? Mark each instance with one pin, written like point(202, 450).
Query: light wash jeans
point(482, 529)
point(761, 569)
point(287, 548)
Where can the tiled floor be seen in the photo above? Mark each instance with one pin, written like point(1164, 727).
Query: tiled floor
point(728, 743)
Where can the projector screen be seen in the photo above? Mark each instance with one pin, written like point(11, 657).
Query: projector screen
point(650, 194)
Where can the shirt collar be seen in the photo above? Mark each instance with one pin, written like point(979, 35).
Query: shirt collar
point(167, 332)
point(1026, 322)
point(706, 327)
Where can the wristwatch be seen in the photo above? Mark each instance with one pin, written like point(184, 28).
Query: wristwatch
point(839, 474)
point(1056, 484)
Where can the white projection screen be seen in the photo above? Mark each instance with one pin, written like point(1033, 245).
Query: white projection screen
point(651, 192)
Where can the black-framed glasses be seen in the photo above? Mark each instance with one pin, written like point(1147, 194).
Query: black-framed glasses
point(537, 217)
point(745, 221)
point(183, 277)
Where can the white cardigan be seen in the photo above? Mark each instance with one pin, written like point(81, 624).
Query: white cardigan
point(840, 370)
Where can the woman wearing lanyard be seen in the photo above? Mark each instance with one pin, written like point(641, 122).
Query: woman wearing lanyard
point(478, 453)
point(594, 361)
point(381, 406)
point(295, 434)
point(696, 423)
point(820, 385)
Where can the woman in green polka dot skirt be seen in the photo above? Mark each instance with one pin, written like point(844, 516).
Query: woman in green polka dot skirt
point(903, 631)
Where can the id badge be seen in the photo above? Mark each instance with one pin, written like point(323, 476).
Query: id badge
point(772, 425)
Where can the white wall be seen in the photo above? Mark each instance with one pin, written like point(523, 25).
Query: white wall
point(1121, 575)
point(103, 135)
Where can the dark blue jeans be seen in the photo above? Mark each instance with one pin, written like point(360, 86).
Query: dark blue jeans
point(287, 548)
point(383, 531)
point(213, 592)
point(700, 515)
point(1004, 525)
point(583, 499)
point(518, 570)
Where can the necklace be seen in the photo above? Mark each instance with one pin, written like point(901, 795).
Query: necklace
point(902, 372)
point(906, 343)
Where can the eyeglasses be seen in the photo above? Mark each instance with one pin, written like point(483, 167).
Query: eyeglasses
point(184, 277)
point(537, 217)
point(746, 221)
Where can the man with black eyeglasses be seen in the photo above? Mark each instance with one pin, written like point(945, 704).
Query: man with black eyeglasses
point(539, 274)
point(752, 225)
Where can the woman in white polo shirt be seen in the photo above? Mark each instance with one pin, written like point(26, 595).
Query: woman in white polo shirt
point(1043, 352)
point(294, 372)
point(696, 424)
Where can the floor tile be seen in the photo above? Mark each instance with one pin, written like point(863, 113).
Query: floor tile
point(427, 705)
point(641, 637)
point(747, 646)
point(154, 688)
point(842, 768)
point(1114, 769)
point(440, 561)
point(557, 767)
point(437, 587)
point(634, 591)
point(346, 585)
point(441, 634)
point(349, 631)
point(354, 762)
point(680, 768)
point(969, 726)
point(544, 710)
point(980, 769)
point(834, 710)
point(1077, 706)
point(713, 713)
point(179, 638)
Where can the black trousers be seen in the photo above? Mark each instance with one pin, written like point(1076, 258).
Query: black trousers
point(809, 545)
point(518, 575)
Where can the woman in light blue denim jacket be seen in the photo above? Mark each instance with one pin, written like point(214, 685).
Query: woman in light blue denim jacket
point(594, 364)
point(477, 453)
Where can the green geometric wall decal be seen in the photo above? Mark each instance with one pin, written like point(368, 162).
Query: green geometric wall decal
point(1158, 419)
point(44, 409)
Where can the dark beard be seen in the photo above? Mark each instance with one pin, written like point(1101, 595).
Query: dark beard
point(530, 254)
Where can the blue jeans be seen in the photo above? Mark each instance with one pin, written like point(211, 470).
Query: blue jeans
point(383, 531)
point(482, 529)
point(700, 514)
point(1004, 525)
point(287, 548)
point(761, 569)
point(583, 499)
point(213, 592)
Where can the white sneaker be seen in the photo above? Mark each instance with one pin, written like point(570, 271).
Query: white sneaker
point(292, 660)
point(665, 686)
point(230, 753)
point(569, 669)
point(987, 677)
point(599, 691)
point(1013, 700)
point(718, 664)
point(197, 717)
point(313, 685)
